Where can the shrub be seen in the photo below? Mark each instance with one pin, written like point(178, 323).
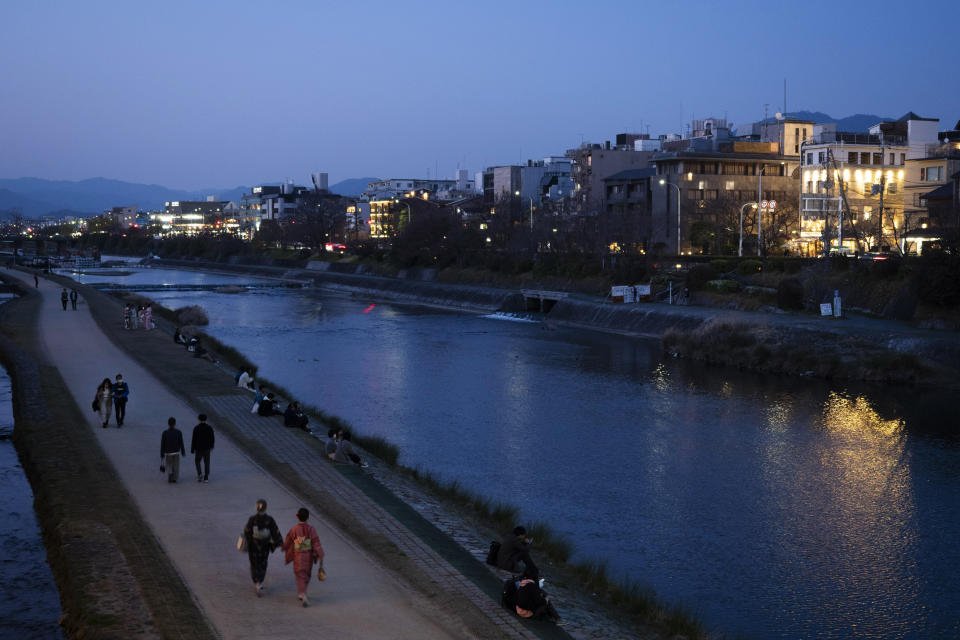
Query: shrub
point(723, 286)
point(749, 267)
point(720, 266)
point(937, 279)
point(792, 266)
point(839, 263)
point(699, 275)
point(194, 315)
point(790, 294)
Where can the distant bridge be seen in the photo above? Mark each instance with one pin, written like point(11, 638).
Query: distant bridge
point(226, 288)
point(540, 301)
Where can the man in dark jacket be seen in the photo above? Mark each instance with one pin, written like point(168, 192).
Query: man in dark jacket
point(514, 549)
point(171, 448)
point(200, 445)
point(121, 393)
point(73, 298)
point(294, 417)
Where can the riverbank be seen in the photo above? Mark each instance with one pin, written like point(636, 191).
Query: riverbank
point(115, 580)
point(852, 348)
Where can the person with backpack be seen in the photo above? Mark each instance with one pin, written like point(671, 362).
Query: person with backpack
point(515, 550)
point(262, 537)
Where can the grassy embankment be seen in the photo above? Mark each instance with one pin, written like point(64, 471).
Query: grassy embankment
point(626, 596)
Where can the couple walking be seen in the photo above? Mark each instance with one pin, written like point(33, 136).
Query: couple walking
point(112, 396)
point(301, 547)
point(72, 297)
point(171, 448)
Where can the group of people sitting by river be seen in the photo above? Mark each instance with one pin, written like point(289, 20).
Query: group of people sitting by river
point(523, 594)
point(192, 345)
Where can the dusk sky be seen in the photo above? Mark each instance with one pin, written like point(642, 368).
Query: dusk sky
point(218, 94)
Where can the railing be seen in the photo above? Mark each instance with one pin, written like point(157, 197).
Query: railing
point(842, 137)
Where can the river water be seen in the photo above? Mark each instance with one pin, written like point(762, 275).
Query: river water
point(29, 604)
point(771, 508)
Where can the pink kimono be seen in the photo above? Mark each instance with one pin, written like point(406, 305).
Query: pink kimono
point(302, 547)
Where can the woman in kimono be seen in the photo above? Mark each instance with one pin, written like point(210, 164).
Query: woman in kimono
point(302, 548)
point(148, 318)
point(126, 316)
point(105, 401)
point(263, 537)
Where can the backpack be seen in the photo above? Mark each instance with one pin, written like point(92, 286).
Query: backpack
point(493, 553)
point(508, 595)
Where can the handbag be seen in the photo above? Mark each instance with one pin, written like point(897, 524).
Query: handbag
point(256, 407)
point(321, 574)
point(96, 404)
point(493, 553)
point(241, 543)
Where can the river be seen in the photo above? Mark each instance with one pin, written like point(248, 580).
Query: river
point(30, 605)
point(771, 508)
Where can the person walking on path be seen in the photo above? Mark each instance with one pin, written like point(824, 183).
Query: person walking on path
point(36, 281)
point(64, 298)
point(200, 445)
point(171, 448)
point(263, 537)
point(302, 548)
point(148, 318)
point(104, 400)
point(73, 298)
point(121, 392)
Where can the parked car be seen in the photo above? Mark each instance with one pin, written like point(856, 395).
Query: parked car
point(877, 256)
point(846, 252)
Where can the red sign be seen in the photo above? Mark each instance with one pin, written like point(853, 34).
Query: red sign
point(773, 204)
point(763, 204)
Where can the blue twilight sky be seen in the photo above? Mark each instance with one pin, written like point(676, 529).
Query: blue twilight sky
point(196, 94)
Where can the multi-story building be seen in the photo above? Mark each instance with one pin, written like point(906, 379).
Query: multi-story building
point(852, 192)
point(538, 180)
point(591, 163)
point(126, 217)
point(630, 198)
point(707, 185)
point(932, 174)
point(193, 217)
point(399, 187)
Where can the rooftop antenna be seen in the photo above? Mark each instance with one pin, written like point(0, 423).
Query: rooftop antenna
point(784, 97)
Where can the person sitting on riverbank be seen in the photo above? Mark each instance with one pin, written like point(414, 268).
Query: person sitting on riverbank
point(531, 601)
point(345, 452)
point(177, 335)
point(514, 550)
point(332, 442)
point(294, 417)
point(244, 381)
point(268, 406)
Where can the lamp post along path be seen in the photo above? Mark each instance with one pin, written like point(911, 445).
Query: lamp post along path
point(664, 182)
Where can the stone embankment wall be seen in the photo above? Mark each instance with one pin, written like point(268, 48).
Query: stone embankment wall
point(114, 579)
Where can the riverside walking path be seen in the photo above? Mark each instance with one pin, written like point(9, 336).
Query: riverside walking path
point(197, 524)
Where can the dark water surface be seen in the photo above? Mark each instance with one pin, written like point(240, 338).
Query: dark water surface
point(29, 603)
point(773, 508)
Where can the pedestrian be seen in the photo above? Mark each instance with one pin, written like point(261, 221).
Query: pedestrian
point(148, 318)
point(171, 448)
point(302, 548)
point(127, 313)
point(63, 298)
point(73, 298)
point(36, 281)
point(140, 316)
point(121, 392)
point(262, 537)
point(200, 445)
point(104, 400)
point(133, 316)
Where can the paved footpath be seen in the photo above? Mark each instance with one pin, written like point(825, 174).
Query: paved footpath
point(198, 524)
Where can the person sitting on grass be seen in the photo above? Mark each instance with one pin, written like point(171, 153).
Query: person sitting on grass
point(268, 406)
point(345, 451)
point(294, 417)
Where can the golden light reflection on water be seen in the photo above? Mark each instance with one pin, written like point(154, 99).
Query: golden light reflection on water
point(855, 415)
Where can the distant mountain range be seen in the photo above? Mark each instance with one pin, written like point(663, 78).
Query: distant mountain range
point(37, 197)
point(858, 123)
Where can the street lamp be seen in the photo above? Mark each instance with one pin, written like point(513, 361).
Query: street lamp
point(517, 193)
point(749, 204)
point(678, 211)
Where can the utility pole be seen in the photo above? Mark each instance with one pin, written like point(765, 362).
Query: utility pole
point(883, 179)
